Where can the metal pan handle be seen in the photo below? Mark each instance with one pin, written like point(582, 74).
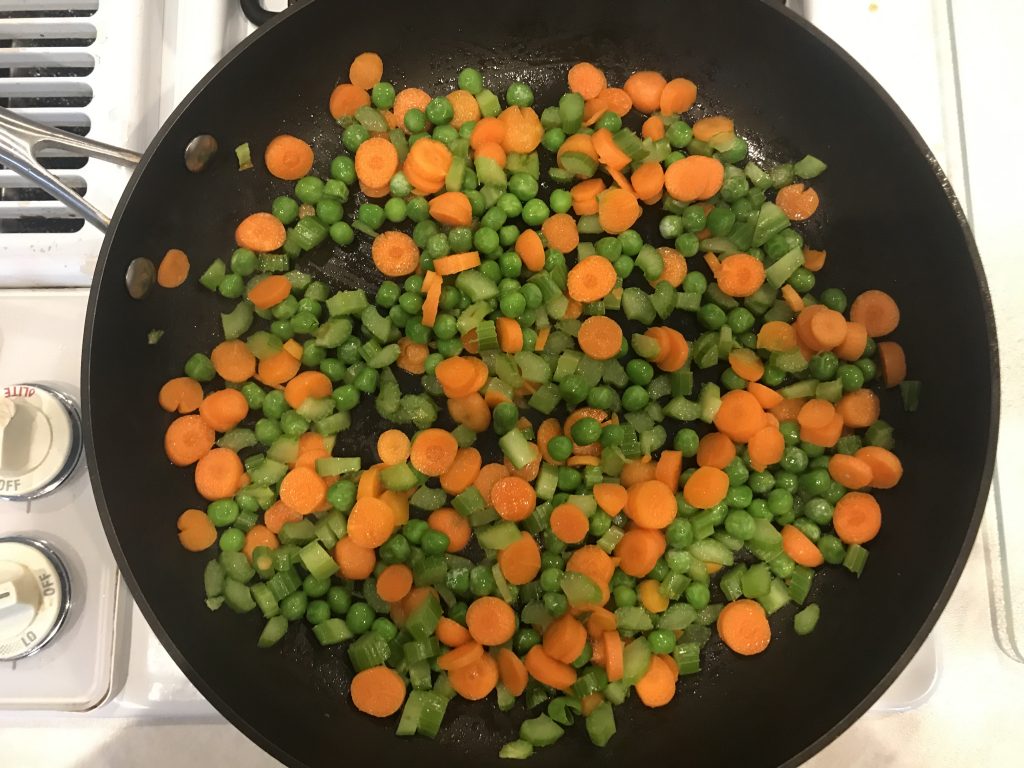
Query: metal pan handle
point(20, 139)
point(256, 13)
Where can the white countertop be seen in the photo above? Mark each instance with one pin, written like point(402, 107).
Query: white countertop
point(974, 716)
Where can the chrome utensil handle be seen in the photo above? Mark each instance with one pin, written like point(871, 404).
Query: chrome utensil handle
point(20, 139)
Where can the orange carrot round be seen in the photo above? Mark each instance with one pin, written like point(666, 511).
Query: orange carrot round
point(513, 498)
point(678, 95)
point(392, 446)
point(707, 128)
point(816, 413)
point(288, 157)
point(512, 672)
point(766, 447)
point(279, 514)
point(648, 181)
point(800, 549)
point(854, 343)
point(173, 269)
point(224, 410)
point(261, 232)
point(859, 409)
point(877, 311)
point(611, 497)
point(740, 275)
point(892, 362)
point(395, 254)
point(639, 549)
point(645, 89)
point(217, 474)
point(886, 468)
point(797, 201)
point(378, 691)
point(548, 671)
point(743, 627)
point(376, 161)
point(520, 561)
point(463, 471)
point(739, 416)
point(394, 582)
point(591, 279)
point(453, 525)
point(746, 364)
point(451, 209)
point(586, 80)
point(465, 108)
point(857, 518)
point(354, 562)
point(488, 130)
point(490, 620)
point(564, 639)
point(523, 130)
point(850, 471)
point(366, 70)
point(600, 337)
point(269, 291)
point(475, 681)
point(347, 98)
point(617, 210)
point(826, 329)
point(306, 385)
point(651, 504)
point(706, 487)
point(657, 687)
point(776, 336)
point(471, 411)
point(530, 249)
point(406, 99)
point(461, 656)
point(196, 531)
point(451, 633)
point(304, 490)
point(259, 536)
point(488, 476)
point(278, 369)
point(569, 524)
point(715, 450)
point(181, 394)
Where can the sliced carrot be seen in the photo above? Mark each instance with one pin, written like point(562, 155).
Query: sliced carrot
point(648, 180)
point(649, 594)
point(475, 681)
point(613, 648)
point(259, 536)
point(766, 396)
point(510, 335)
point(393, 446)
point(463, 471)
point(457, 262)
point(645, 89)
point(394, 582)
point(427, 164)
point(766, 447)
point(488, 130)
point(173, 269)
point(278, 369)
point(306, 385)
point(578, 142)
point(548, 671)
point(584, 195)
point(460, 656)
point(776, 336)
point(739, 416)
point(453, 525)
point(513, 498)
point(610, 497)
point(600, 337)
point(651, 504)
point(512, 672)
point(196, 531)
point(487, 477)
point(354, 562)
point(740, 275)
point(378, 691)
point(217, 474)
point(406, 99)
point(376, 161)
point(564, 639)
point(568, 523)
point(708, 127)
point(743, 627)
point(457, 376)
point(653, 128)
point(560, 231)
point(224, 410)
point(593, 109)
point(827, 329)
point(470, 411)
point(853, 345)
point(304, 490)
point(686, 179)
point(279, 514)
point(542, 339)
point(788, 409)
point(746, 364)
point(451, 633)
point(678, 95)
point(892, 362)
point(877, 311)
point(465, 108)
point(412, 356)
point(800, 549)
point(260, 232)
point(395, 254)
point(523, 130)
point(617, 211)
point(706, 487)
point(370, 523)
point(433, 452)
point(452, 209)
point(181, 394)
point(657, 687)
point(431, 305)
point(270, 291)
point(638, 471)
point(669, 469)
point(850, 471)
point(288, 157)
point(366, 70)
point(586, 80)
point(859, 409)
point(886, 468)
point(857, 518)
point(530, 249)
point(491, 621)
point(347, 98)
point(816, 413)
point(797, 201)
point(715, 449)
point(608, 152)
point(591, 279)
point(639, 549)
point(793, 299)
point(814, 260)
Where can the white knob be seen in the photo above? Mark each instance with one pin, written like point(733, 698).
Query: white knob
point(40, 440)
point(35, 595)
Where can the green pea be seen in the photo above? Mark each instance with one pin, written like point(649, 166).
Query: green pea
point(761, 482)
point(711, 316)
point(309, 190)
point(434, 542)
point(414, 530)
point(625, 597)
point(740, 319)
point(519, 95)
point(790, 432)
point(232, 286)
point(732, 380)
point(339, 600)
point(818, 511)
point(832, 549)
point(802, 280)
point(635, 398)
point(343, 168)
point(687, 244)
point(553, 138)
point(383, 95)
point(285, 208)
point(222, 513)
point(292, 424)
point(823, 366)
point(471, 80)
point(671, 226)
point(612, 435)
point(353, 136)
point(602, 397)
point(793, 460)
point(535, 212)
point(360, 618)
point(623, 266)
point(850, 376)
point(586, 431)
point(293, 607)
point(686, 441)
point(698, 595)
point(395, 210)
point(600, 522)
point(779, 501)
point(346, 397)
point(815, 482)
point(737, 472)
point(679, 134)
point(560, 448)
point(679, 533)
point(341, 233)
point(525, 639)
point(439, 111)
point(274, 404)
point(481, 581)
point(560, 201)
point(640, 371)
point(366, 381)
point(573, 389)
point(569, 479)
point(512, 304)
point(523, 186)
point(661, 641)
point(304, 322)
point(695, 282)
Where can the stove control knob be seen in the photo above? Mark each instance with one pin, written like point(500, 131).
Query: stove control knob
point(40, 440)
point(35, 595)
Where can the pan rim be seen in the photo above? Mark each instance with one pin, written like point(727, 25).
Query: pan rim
point(954, 573)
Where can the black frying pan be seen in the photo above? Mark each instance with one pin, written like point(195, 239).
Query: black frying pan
point(888, 219)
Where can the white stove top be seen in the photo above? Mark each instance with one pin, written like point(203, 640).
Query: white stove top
point(132, 676)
